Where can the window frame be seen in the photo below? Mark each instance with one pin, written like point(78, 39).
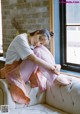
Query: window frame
point(65, 65)
point(51, 8)
point(1, 53)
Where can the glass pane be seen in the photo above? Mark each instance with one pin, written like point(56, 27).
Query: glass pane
point(73, 12)
point(73, 33)
point(73, 44)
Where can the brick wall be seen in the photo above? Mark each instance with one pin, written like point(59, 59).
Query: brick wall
point(31, 15)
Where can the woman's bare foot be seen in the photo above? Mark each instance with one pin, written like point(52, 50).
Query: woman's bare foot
point(62, 81)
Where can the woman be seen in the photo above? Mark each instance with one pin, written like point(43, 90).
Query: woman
point(25, 58)
point(22, 61)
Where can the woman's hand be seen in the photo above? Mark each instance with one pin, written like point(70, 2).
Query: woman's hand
point(53, 70)
point(42, 63)
point(58, 67)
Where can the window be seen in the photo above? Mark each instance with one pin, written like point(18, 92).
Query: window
point(1, 50)
point(70, 35)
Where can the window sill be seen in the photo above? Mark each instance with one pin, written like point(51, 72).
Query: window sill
point(71, 73)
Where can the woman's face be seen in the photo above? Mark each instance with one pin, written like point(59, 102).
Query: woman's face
point(39, 40)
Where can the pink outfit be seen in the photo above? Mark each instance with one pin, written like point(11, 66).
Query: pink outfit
point(21, 72)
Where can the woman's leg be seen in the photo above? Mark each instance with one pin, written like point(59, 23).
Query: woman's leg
point(46, 55)
point(17, 75)
point(26, 69)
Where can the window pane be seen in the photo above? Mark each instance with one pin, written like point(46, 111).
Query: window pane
point(73, 44)
point(73, 33)
point(73, 13)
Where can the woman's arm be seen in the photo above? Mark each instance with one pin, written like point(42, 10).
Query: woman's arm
point(43, 63)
